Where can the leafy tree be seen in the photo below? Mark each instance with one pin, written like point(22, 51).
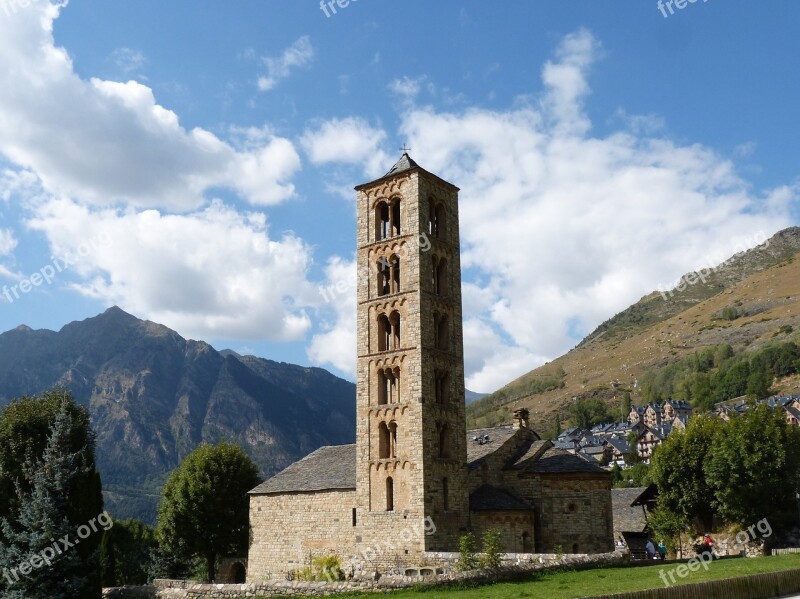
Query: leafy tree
point(701, 392)
point(732, 382)
point(637, 475)
point(669, 526)
point(759, 383)
point(586, 413)
point(754, 468)
point(26, 426)
point(59, 572)
point(677, 469)
point(204, 507)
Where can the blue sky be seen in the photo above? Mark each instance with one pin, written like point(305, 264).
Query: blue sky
point(194, 163)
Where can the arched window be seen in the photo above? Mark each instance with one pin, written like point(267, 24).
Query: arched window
point(433, 224)
point(382, 224)
point(384, 277)
point(384, 442)
point(444, 442)
point(396, 217)
point(383, 388)
point(442, 333)
point(446, 493)
point(394, 395)
point(441, 220)
point(395, 322)
point(437, 215)
point(441, 277)
point(442, 387)
point(390, 494)
point(384, 333)
point(392, 439)
point(394, 263)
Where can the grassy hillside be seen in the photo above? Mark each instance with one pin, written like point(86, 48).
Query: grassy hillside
point(754, 298)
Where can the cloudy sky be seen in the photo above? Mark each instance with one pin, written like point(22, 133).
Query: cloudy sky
point(194, 164)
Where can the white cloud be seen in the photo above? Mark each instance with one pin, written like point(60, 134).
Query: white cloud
point(128, 60)
point(7, 242)
point(299, 54)
point(561, 229)
point(108, 142)
point(336, 344)
point(210, 273)
point(347, 141)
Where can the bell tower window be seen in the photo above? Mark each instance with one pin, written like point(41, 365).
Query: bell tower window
point(390, 494)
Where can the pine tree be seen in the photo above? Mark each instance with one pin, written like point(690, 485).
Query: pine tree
point(34, 541)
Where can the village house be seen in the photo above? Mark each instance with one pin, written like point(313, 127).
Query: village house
point(416, 480)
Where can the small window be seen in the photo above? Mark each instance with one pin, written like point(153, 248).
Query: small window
point(574, 548)
point(355, 517)
point(390, 494)
point(446, 493)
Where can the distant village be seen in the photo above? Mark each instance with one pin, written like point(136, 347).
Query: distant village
point(614, 444)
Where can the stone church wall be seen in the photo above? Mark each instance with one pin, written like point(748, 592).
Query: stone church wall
point(288, 530)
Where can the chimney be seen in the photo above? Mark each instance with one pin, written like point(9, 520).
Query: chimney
point(521, 418)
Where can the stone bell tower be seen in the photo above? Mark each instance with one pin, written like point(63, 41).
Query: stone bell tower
point(411, 423)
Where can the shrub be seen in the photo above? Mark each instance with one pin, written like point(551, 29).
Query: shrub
point(492, 549)
point(328, 568)
point(467, 546)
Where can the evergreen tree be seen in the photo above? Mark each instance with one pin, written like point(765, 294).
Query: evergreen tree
point(25, 430)
point(35, 557)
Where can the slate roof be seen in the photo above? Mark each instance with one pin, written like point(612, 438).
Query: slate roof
point(533, 453)
point(477, 452)
point(328, 468)
point(492, 499)
point(627, 518)
point(334, 467)
point(404, 164)
point(558, 461)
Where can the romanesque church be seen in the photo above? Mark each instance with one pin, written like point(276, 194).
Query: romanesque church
point(416, 480)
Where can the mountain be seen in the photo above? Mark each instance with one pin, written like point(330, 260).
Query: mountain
point(760, 288)
point(154, 396)
point(473, 396)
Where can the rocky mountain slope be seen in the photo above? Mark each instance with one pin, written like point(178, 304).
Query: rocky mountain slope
point(154, 396)
point(760, 287)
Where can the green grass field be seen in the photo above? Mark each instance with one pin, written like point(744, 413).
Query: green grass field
point(586, 583)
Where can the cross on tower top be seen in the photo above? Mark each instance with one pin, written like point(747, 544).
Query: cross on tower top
point(404, 149)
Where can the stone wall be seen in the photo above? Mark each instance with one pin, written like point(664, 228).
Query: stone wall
point(512, 568)
point(288, 530)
